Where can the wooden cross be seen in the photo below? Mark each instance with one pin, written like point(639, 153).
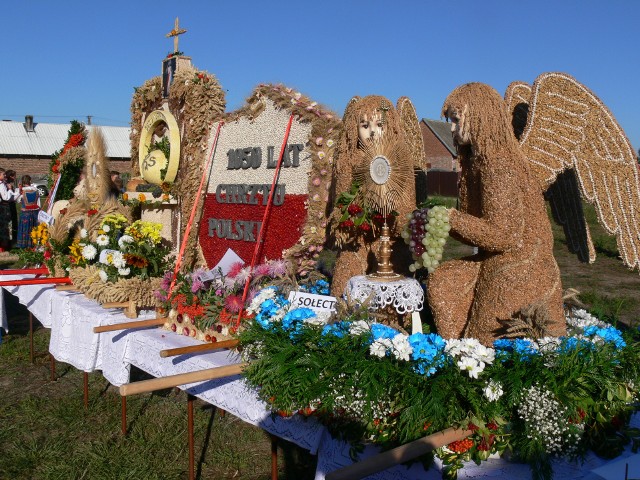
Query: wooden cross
point(174, 33)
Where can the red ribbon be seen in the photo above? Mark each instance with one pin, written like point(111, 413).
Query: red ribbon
point(265, 217)
point(187, 230)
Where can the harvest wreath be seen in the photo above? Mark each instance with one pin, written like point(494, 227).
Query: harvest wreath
point(196, 100)
point(367, 382)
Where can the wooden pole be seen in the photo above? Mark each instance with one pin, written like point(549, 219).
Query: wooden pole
point(124, 325)
point(123, 416)
point(25, 271)
point(85, 389)
point(398, 455)
point(35, 281)
point(190, 399)
point(52, 367)
point(205, 347)
point(67, 288)
point(274, 457)
point(30, 336)
point(181, 379)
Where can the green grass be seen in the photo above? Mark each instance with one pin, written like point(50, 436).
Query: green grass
point(47, 434)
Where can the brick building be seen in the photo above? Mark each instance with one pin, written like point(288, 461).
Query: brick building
point(26, 147)
point(441, 155)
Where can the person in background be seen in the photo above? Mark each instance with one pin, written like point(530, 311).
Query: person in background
point(7, 202)
point(11, 180)
point(30, 206)
point(116, 184)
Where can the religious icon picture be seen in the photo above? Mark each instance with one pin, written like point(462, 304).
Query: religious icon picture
point(168, 71)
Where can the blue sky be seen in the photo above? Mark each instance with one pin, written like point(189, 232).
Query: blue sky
point(65, 60)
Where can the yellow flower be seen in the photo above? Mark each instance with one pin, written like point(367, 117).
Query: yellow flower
point(141, 197)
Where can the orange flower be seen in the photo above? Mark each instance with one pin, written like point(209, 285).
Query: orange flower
point(461, 446)
point(136, 260)
point(125, 197)
point(142, 197)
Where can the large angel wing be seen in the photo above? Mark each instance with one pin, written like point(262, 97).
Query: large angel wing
point(569, 127)
point(563, 194)
point(412, 132)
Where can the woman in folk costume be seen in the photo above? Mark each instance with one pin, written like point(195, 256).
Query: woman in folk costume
point(8, 198)
point(29, 209)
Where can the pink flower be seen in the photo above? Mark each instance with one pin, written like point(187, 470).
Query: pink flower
point(279, 268)
point(316, 181)
point(262, 270)
point(233, 303)
point(166, 280)
point(319, 141)
point(235, 269)
point(196, 285)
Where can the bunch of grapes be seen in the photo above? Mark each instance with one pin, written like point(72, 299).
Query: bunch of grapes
point(426, 234)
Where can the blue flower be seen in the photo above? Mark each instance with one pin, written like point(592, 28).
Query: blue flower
point(338, 329)
point(427, 352)
point(608, 334)
point(295, 316)
point(382, 331)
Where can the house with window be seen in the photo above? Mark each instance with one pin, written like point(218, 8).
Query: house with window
point(443, 166)
point(26, 147)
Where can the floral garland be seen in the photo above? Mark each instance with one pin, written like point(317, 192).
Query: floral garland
point(368, 382)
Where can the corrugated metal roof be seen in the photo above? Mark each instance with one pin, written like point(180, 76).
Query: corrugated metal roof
point(442, 130)
point(49, 137)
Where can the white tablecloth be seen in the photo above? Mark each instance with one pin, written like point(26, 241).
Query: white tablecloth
point(72, 317)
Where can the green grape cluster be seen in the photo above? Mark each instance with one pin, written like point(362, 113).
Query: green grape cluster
point(426, 234)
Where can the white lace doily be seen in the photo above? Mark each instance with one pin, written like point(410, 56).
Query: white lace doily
point(405, 295)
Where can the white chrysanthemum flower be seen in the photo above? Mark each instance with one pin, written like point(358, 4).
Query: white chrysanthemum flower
point(103, 275)
point(102, 240)
point(264, 294)
point(379, 347)
point(401, 347)
point(83, 233)
point(493, 391)
point(471, 366)
point(89, 252)
point(484, 354)
point(123, 272)
point(359, 327)
point(320, 318)
point(125, 239)
point(225, 330)
point(118, 260)
point(106, 228)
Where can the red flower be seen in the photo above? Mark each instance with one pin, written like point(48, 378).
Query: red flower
point(354, 209)
point(63, 211)
point(365, 227)
point(92, 212)
point(47, 254)
point(233, 303)
point(347, 223)
point(492, 426)
point(378, 218)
